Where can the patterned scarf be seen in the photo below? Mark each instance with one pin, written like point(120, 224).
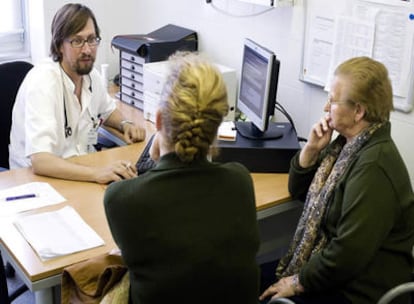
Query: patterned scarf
point(309, 238)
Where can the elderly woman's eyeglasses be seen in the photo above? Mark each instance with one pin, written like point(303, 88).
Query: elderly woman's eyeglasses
point(80, 42)
point(332, 102)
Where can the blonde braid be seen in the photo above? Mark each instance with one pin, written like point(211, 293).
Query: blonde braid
point(194, 104)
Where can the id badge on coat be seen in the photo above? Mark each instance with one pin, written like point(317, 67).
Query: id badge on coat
point(92, 139)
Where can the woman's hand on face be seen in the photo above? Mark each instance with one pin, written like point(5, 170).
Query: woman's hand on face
point(319, 137)
point(321, 134)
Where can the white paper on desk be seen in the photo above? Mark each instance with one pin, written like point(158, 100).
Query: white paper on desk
point(56, 233)
point(45, 195)
point(227, 131)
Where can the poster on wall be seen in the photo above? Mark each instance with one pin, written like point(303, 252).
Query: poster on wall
point(381, 29)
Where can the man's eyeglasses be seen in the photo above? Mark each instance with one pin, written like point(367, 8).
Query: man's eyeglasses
point(79, 42)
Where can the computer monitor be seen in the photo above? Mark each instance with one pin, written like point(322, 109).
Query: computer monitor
point(257, 93)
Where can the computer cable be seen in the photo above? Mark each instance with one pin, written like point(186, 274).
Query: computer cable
point(282, 110)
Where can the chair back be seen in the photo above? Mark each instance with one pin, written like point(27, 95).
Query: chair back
point(11, 76)
point(395, 292)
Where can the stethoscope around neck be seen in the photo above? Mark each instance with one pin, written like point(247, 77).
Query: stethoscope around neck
point(68, 129)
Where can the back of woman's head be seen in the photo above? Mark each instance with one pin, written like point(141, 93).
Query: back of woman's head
point(370, 86)
point(193, 104)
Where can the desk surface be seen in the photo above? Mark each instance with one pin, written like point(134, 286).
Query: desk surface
point(86, 198)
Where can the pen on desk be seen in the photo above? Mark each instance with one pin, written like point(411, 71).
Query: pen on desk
point(18, 197)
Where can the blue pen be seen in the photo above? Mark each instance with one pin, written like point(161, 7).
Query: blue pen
point(23, 196)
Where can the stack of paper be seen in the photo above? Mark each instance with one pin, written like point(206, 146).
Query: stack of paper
point(28, 196)
point(57, 233)
point(227, 131)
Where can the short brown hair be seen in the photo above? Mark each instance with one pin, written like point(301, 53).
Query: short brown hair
point(370, 86)
point(69, 20)
point(193, 104)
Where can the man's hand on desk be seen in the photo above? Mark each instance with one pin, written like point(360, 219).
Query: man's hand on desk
point(132, 133)
point(48, 164)
point(115, 172)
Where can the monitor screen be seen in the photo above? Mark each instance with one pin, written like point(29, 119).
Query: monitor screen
point(257, 93)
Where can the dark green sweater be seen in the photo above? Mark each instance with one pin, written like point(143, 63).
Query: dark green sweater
point(188, 232)
point(369, 224)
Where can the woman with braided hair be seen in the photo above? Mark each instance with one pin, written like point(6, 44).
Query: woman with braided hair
point(187, 228)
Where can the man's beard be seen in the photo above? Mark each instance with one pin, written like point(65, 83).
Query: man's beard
point(84, 69)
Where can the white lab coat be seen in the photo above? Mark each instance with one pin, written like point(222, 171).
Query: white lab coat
point(38, 121)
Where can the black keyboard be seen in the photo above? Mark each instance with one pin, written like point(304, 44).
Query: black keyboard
point(145, 162)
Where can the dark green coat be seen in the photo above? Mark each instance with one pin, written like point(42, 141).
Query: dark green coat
point(188, 233)
point(369, 223)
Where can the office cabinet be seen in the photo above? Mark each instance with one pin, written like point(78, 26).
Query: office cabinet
point(131, 79)
point(137, 50)
point(155, 74)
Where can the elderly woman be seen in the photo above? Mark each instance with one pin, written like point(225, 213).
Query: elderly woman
point(354, 238)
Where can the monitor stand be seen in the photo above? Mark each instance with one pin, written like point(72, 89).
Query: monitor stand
point(249, 130)
point(266, 156)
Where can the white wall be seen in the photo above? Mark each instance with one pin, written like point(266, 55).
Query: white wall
point(112, 20)
point(221, 35)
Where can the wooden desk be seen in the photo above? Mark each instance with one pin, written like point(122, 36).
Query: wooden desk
point(265, 184)
point(272, 199)
point(85, 197)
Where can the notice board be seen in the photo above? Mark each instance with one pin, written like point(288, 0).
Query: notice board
point(336, 30)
